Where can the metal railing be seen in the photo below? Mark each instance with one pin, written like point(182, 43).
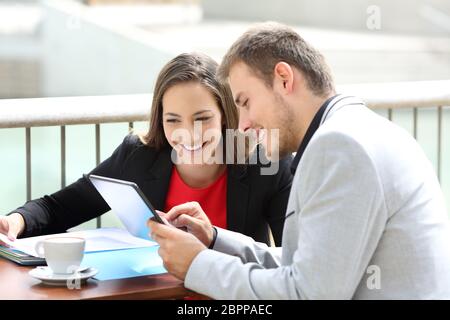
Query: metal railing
point(28, 113)
point(415, 95)
point(40, 112)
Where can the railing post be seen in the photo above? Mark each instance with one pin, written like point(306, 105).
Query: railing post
point(415, 118)
point(28, 160)
point(439, 142)
point(63, 156)
point(97, 160)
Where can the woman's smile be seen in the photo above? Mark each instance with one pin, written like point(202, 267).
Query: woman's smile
point(194, 148)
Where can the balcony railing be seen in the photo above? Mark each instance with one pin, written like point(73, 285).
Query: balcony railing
point(96, 110)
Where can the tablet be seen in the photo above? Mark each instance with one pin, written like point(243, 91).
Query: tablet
point(128, 202)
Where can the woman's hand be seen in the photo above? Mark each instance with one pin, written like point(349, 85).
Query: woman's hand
point(191, 216)
point(11, 226)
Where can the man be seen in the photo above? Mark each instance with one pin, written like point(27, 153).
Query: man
point(366, 217)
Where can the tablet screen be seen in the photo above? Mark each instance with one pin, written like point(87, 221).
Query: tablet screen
point(124, 199)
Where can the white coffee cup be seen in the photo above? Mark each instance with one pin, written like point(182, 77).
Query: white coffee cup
point(62, 254)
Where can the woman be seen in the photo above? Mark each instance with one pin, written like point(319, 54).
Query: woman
point(172, 164)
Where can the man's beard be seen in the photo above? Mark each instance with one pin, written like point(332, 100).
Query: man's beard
point(286, 124)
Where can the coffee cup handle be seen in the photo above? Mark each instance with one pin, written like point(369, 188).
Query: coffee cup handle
point(39, 248)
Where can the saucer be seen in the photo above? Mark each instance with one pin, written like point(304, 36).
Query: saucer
point(46, 275)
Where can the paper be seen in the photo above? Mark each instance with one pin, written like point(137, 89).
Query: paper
point(128, 263)
point(103, 239)
point(5, 239)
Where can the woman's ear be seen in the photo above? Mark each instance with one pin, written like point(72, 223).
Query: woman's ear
point(284, 77)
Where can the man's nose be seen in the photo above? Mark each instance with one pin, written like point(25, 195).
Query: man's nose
point(244, 122)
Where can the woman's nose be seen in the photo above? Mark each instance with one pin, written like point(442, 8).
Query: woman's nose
point(194, 135)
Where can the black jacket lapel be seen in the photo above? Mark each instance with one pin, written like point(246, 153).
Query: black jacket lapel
point(237, 198)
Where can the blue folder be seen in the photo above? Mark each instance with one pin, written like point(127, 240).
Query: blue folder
point(126, 263)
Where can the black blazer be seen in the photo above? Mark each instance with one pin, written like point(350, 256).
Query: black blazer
point(254, 201)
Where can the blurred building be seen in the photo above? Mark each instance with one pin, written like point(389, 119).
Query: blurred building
point(94, 47)
point(417, 17)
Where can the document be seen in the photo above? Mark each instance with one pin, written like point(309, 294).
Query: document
point(103, 239)
point(121, 264)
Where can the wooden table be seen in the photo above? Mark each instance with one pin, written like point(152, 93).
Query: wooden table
point(15, 283)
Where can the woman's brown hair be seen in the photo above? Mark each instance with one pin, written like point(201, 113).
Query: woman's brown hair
point(188, 67)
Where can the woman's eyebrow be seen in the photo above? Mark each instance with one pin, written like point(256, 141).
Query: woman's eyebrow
point(201, 111)
point(171, 114)
point(195, 114)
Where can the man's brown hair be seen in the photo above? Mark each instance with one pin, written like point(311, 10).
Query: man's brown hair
point(266, 44)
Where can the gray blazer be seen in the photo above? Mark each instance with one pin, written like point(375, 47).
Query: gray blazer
point(365, 220)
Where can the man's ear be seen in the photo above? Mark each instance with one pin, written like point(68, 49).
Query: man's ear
point(283, 77)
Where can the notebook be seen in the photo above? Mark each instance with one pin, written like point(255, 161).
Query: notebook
point(20, 257)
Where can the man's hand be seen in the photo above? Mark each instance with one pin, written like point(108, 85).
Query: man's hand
point(191, 216)
point(177, 248)
point(11, 226)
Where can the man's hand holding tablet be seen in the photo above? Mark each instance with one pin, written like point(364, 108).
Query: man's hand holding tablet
point(177, 248)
